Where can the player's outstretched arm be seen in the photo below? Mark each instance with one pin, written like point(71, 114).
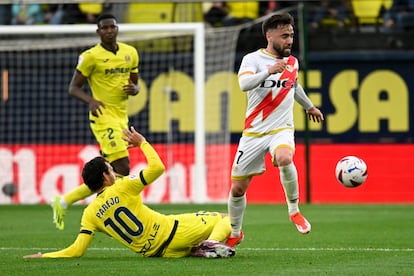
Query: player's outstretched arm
point(155, 166)
point(76, 249)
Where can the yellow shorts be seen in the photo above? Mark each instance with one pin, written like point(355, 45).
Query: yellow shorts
point(192, 229)
point(109, 137)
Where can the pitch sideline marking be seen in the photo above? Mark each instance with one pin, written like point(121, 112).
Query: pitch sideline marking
point(239, 249)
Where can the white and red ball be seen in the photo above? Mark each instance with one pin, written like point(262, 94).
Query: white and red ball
point(351, 171)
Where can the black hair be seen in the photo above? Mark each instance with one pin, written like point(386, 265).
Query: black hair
point(93, 171)
point(105, 16)
point(277, 20)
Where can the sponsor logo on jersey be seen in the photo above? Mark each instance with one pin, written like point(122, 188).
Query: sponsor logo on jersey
point(287, 83)
point(117, 71)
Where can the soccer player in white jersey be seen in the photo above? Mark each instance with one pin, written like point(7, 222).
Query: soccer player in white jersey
point(269, 76)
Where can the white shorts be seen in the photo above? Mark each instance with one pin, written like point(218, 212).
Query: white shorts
point(249, 158)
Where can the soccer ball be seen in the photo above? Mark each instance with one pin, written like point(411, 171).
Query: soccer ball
point(351, 171)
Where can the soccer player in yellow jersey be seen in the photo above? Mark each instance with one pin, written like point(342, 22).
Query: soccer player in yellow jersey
point(111, 70)
point(119, 212)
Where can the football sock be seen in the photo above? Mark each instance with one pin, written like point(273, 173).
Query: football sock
point(236, 207)
point(221, 230)
point(289, 179)
point(63, 203)
point(80, 192)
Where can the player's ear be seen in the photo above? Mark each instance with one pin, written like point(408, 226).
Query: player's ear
point(268, 36)
point(106, 178)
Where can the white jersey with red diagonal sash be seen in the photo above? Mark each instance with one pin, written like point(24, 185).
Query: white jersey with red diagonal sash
point(270, 104)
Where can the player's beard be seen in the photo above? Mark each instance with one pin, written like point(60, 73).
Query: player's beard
point(281, 52)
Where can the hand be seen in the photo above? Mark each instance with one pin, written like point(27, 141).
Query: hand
point(131, 88)
point(315, 114)
point(133, 138)
point(95, 107)
point(34, 256)
point(278, 67)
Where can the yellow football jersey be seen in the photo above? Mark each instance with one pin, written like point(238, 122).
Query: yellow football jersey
point(126, 219)
point(107, 72)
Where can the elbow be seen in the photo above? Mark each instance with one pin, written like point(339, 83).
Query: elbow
point(246, 85)
point(160, 169)
point(243, 84)
point(79, 252)
point(71, 91)
point(77, 255)
point(155, 171)
point(243, 87)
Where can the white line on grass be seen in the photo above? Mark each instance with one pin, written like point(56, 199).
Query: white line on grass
point(238, 249)
point(331, 249)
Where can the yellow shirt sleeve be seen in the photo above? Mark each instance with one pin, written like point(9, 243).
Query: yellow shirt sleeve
point(155, 166)
point(76, 249)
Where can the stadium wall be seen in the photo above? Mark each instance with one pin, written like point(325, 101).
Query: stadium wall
point(366, 98)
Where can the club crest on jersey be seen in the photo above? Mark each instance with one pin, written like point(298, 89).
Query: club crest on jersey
point(127, 59)
point(289, 68)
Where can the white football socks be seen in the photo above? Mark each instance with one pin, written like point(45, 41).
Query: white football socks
point(63, 202)
point(236, 207)
point(289, 179)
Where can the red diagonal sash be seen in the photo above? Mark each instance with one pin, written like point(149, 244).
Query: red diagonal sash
point(267, 105)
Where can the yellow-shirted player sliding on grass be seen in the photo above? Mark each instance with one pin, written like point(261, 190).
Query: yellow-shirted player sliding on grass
point(119, 212)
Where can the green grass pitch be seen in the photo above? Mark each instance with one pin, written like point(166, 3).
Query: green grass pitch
point(345, 240)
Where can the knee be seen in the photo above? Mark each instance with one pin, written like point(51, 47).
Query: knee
point(239, 187)
point(122, 170)
point(283, 160)
point(121, 166)
point(283, 156)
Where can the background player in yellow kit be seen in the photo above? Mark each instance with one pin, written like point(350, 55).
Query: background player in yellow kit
point(119, 212)
point(111, 70)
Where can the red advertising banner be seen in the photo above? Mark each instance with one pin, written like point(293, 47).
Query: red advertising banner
point(42, 171)
point(390, 176)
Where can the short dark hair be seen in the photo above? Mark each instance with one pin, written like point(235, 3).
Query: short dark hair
point(277, 20)
point(105, 16)
point(93, 171)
